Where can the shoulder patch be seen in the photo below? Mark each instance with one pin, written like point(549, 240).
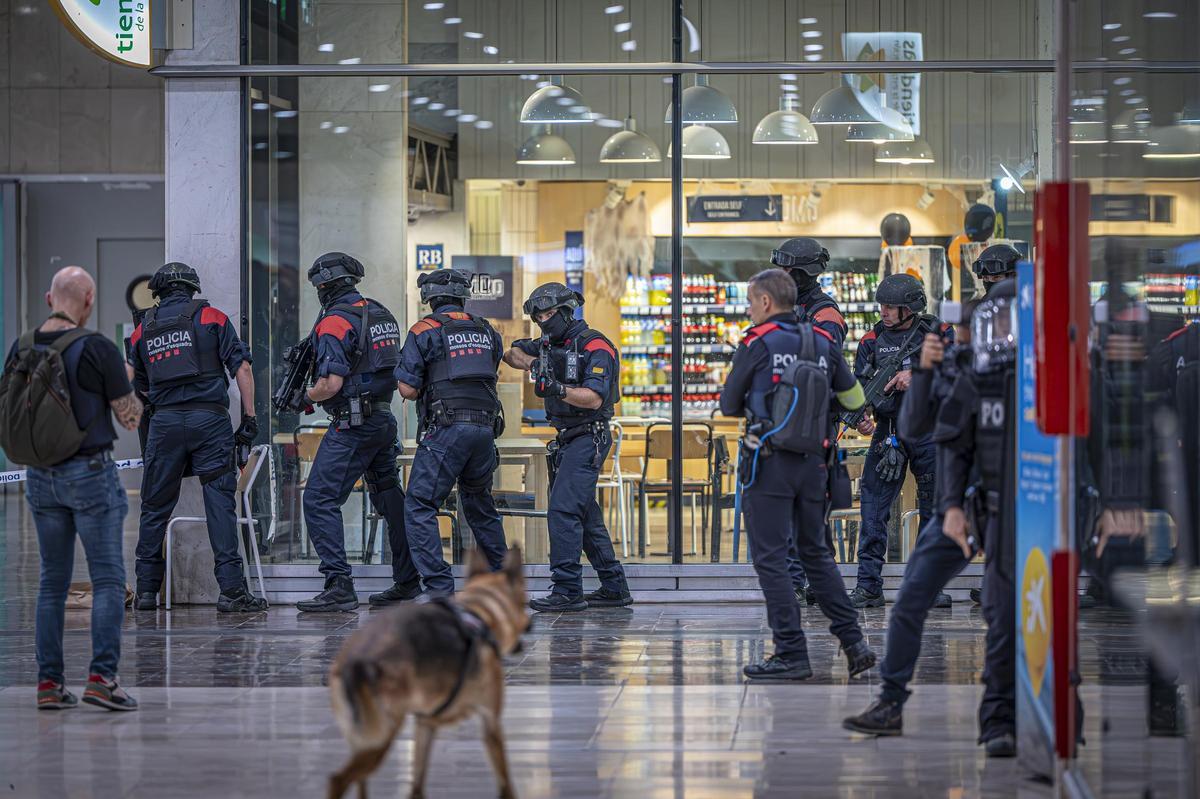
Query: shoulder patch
point(424, 325)
point(211, 316)
point(869, 337)
point(830, 315)
point(136, 335)
point(333, 325)
point(599, 344)
point(458, 315)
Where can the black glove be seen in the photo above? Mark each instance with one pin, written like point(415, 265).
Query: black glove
point(549, 387)
point(891, 465)
point(247, 432)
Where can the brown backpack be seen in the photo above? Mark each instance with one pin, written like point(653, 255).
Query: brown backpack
point(37, 423)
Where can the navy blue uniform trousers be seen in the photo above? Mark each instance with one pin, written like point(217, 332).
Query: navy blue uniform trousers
point(465, 454)
point(368, 451)
point(934, 562)
point(178, 439)
point(785, 508)
point(576, 521)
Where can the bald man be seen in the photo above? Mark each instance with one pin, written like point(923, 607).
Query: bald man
point(81, 495)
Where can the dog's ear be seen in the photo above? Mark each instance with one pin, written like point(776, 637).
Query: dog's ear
point(476, 564)
point(513, 563)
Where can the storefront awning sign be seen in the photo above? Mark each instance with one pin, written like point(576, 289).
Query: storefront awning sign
point(899, 91)
point(118, 30)
point(735, 208)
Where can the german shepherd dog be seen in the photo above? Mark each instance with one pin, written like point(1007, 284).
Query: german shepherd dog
point(438, 661)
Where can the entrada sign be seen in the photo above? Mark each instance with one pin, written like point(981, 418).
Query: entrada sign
point(118, 30)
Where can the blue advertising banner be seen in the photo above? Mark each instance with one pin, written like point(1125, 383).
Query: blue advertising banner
point(429, 257)
point(735, 208)
point(573, 263)
point(1037, 532)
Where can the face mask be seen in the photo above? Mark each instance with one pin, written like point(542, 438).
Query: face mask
point(556, 326)
point(328, 294)
point(804, 281)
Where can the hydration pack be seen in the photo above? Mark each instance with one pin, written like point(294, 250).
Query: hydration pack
point(799, 403)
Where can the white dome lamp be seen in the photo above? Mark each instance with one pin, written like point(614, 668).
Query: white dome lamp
point(905, 153)
point(704, 105)
point(839, 106)
point(555, 104)
point(1132, 127)
point(785, 126)
point(544, 148)
point(702, 143)
point(630, 146)
point(891, 126)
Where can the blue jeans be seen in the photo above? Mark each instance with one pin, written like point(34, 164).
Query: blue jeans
point(79, 497)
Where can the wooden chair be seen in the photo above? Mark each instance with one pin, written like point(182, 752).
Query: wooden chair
point(697, 446)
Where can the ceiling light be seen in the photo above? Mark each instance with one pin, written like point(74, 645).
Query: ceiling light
point(350, 61)
point(812, 57)
point(1007, 183)
point(785, 126)
point(891, 126)
point(1127, 51)
point(788, 76)
point(420, 100)
point(467, 118)
point(436, 106)
point(702, 143)
point(808, 20)
point(544, 148)
point(789, 88)
point(287, 114)
point(326, 125)
point(905, 153)
point(340, 129)
point(1087, 134)
point(260, 145)
point(483, 124)
point(629, 46)
point(452, 20)
point(621, 27)
point(491, 49)
point(1122, 81)
point(1111, 26)
point(434, 6)
point(629, 146)
point(327, 47)
point(614, 9)
point(1159, 15)
point(839, 106)
point(605, 122)
point(1010, 181)
point(1175, 141)
point(813, 48)
point(452, 112)
point(473, 34)
point(378, 88)
point(545, 106)
point(704, 105)
point(259, 106)
point(1119, 39)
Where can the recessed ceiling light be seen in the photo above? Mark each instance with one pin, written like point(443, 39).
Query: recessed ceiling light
point(436, 106)
point(260, 145)
point(813, 48)
point(466, 118)
point(420, 100)
point(1127, 51)
point(379, 88)
point(326, 125)
point(813, 57)
point(622, 27)
point(1122, 81)
point(452, 20)
point(259, 106)
point(327, 47)
point(1111, 26)
point(341, 129)
point(629, 46)
point(788, 76)
point(473, 34)
point(287, 114)
point(808, 20)
point(1159, 15)
point(491, 49)
point(811, 34)
point(610, 123)
point(452, 112)
point(614, 9)
point(350, 61)
point(789, 87)
point(1120, 39)
point(483, 124)
point(434, 6)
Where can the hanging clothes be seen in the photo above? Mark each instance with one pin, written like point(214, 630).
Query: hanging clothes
point(617, 242)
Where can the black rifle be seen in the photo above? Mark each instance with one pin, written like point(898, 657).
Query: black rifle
point(873, 389)
point(289, 396)
point(545, 370)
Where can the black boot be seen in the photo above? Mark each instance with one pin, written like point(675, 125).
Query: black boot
point(774, 667)
point(1003, 745)
point(558, 603)
point(604, 598)
point(859, 657)
point(976, 596)
point(882, 718)
point(860, 598)
point(806, 596)
point(338, 596)
point(239, 600)
point(146, 600)
point(396, 594)
point(943, 600)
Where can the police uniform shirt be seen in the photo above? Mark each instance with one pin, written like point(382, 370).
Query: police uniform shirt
point(597, 363)
point(754, 375)
point(221, 336)
point(882, 343)
point(828, 318)
point(425, 345)
point(101, 371)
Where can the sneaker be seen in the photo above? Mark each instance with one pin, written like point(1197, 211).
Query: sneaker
point(778, 668)
point(394, 595)
point(338, 596)
point(882, 718)
point(604, 598)
point(1003, 745)
point(107, 694)
point(861, 598)
point(146, 600)
point(977, 596)
point(806, 596)
point(53, 696)
point(859, 657)
point(239, 600)
point(560, 603)
point(943, 600)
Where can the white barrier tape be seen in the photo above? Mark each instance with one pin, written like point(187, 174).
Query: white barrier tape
point(18, 475)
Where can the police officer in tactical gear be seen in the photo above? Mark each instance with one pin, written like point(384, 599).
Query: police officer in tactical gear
point(181, 354)
point(892, 344)
point(580, 385)
point(996, 263)
point(357, 343)
point(787, 483)
point(976, 441)
point(448, 366)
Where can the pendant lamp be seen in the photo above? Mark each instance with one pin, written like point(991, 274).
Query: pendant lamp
point(905, 153)
point(1174, 142)
point(704, 105)
point(785, 126)
point(702, 143)
point(629, 146)
point(839, 106)
point(891, 126)
point(544, 148)
point(555, 104)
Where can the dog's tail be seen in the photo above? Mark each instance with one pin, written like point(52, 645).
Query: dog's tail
point(359, 677)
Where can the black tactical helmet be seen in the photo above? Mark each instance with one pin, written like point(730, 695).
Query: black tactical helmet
point(895, 229)
point(901, 289)
point(174, 273)
point(333, 265)
point(552, 295)
point(979, 222)
point(999, 259)
point(444, 283)
point(805, 254)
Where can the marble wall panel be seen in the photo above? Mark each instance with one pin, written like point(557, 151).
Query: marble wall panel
point(33, 45)
point(77, 65)
point(4, 131)
point(5, 27)
point(33, 127)
point(372, 31)
point(83, 131)
point(136, 125)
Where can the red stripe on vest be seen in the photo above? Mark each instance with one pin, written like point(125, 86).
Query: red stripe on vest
point(823, 332)
point(335, 326)
point(136, 335)
point(870, 336)
point(599, 344)
point(1177, 333)
point(211, 316)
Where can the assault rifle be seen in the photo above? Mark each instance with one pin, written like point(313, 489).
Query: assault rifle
point(545, 371)
point(873, 389)
point(300, 359)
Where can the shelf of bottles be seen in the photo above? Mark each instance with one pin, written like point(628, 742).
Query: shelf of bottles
point(714, 320)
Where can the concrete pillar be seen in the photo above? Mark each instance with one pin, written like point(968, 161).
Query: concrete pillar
point(204, 223)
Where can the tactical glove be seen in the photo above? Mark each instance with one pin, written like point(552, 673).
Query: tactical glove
point(247, 432)
point(546, 386)
point(891, 465)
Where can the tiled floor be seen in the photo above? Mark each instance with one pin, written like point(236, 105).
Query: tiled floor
point(643, 702)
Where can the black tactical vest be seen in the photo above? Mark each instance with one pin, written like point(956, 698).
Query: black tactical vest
point(464, 378)
point(377, 352)
point(566, 364)
point(994, 428)
point(177, 351)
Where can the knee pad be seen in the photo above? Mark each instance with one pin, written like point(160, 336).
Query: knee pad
point(378, 482)
point(478, 487)
point(216, 474)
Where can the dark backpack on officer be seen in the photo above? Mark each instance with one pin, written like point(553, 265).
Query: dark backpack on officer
point(799, 403)
point(37, 423)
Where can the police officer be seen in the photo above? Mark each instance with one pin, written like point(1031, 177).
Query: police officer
point(804, 260)
point(898, 334)
point(994, 264)
point(448, 365)
point(357, 343)
point(976, 440)
point(780, 483)
point(580, 385)
point(1174, 372)
point(181, 353)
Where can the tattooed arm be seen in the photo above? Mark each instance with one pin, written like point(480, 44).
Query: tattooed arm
point(128, 410)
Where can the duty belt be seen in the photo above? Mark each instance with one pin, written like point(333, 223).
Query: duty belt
point(470, 416)
point(568, 434)
point(215, 407)
point(343, 413)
